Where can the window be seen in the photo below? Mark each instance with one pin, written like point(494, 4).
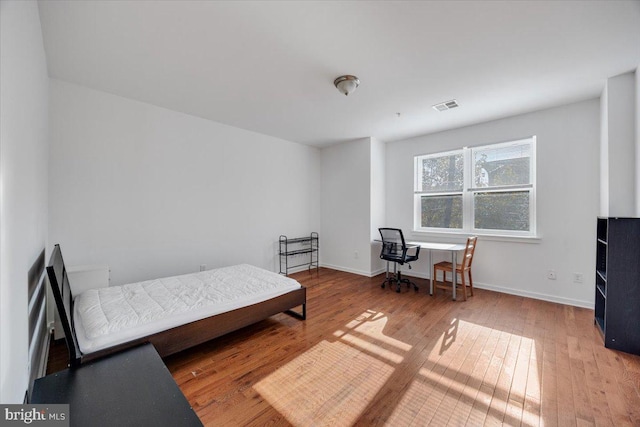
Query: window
point(488, 189)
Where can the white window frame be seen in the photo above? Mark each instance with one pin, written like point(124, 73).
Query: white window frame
point(469, 191)
point(417, 215)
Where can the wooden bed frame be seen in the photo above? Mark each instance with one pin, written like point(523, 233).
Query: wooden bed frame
point(175, 339)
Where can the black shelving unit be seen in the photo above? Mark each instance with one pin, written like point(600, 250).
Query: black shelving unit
point(617, 291)
point(298, 252)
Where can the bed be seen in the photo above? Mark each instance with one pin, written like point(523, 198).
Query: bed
point(172, 313)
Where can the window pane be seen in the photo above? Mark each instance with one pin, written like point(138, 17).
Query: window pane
point(502, 211)
point(443, 173)
point(441, 211)
point(506, 165)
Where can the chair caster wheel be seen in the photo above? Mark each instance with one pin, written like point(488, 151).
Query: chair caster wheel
point(382, 286)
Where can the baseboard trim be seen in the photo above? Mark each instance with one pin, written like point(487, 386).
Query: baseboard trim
point(301, 268)
point(376, 272)
point(412, 273)
point(518, 292)
point(350, 270)
point(535, 295)
point(479, 285)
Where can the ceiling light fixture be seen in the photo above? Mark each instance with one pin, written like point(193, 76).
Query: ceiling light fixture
point(346, 84)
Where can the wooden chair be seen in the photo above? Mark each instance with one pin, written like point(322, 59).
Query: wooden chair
point(462, 268)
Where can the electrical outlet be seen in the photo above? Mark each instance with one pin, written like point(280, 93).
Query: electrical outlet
point(551, 275)
point(203, 267)
point(355, 254)
point(578, 277)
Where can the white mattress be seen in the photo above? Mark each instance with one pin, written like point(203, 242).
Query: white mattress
point(117, 314)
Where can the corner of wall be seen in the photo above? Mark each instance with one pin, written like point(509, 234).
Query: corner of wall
point(604, 153)
point(24, 163)
point(346, 206)
point(621, 144)
point(378, 198)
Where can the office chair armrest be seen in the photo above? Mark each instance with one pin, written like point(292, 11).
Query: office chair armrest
point(416, 247)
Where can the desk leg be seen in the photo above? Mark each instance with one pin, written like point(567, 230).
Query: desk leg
point(454, 260)
point(431, 278)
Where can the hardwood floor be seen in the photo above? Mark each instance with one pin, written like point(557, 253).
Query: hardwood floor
point(369, 356)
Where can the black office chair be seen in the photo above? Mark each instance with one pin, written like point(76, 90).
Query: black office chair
point(395, 249)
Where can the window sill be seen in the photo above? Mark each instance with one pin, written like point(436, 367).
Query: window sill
point(461, 236)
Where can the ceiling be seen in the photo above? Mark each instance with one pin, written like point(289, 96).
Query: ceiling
point(269, 66)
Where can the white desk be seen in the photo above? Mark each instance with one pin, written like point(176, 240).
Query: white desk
point(453, 248)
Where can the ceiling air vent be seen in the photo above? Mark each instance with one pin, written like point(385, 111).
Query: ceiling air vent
point(446, 105)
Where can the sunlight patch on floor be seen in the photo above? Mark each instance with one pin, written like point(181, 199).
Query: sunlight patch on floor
point(450, 389)
point(408, 409)
point(334, 382)
point(329, 385)
point(371, 325)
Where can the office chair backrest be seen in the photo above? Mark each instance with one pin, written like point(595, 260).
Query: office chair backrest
point(467, 259)
point(392, 242)
point(391, 235)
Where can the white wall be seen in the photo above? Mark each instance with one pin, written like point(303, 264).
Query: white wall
point(23, 177)
point(346, 206)
point(621, 143)
point(604, 153)
point(152, 192)
point(568, 145)
point(378, 200)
